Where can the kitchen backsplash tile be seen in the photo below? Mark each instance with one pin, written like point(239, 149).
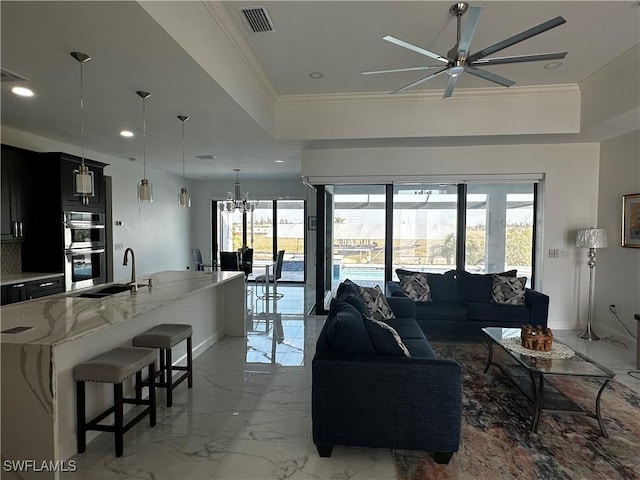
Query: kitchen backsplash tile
point(11, 258)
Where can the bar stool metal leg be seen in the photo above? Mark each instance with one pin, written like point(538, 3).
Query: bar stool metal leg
point(169, 365)
point(189, 362)
point(81, 430)
point(152, 394)
point(119, 415)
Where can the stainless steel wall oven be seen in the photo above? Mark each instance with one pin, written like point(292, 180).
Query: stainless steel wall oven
point(84, 249)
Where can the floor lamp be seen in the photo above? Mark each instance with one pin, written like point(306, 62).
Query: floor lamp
point(591, 238)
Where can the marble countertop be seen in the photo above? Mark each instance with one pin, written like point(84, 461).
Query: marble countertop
point(10, 278)
point(66, 316)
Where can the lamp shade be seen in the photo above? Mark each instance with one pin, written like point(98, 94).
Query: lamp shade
point(591, 238)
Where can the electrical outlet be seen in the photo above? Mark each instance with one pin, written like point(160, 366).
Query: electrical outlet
point(612, 308)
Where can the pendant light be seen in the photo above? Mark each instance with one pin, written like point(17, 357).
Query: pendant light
point(145, 188)
point(183, 197)
point(82, 177)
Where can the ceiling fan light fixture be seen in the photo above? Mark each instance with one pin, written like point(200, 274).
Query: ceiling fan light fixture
point(456, 70)
point(459, 60)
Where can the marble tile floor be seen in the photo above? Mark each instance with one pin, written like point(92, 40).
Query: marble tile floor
point(248, 415)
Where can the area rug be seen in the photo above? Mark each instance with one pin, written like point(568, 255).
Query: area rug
point(496, 442)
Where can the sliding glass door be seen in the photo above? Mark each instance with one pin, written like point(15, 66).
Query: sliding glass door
point(371, 230)
point(359, 234)
point(500, 227)
point(424, 227)
point(271, 226)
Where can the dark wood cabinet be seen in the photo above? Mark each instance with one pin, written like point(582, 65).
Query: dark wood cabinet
point(53, 194)
point(19, 292)
point(16, 194)
point(45, 287)
point(14, 293)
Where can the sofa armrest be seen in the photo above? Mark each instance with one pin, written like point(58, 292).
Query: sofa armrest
point(403, 307)
point(383, 401)
point(538, 304)
point(395, 290)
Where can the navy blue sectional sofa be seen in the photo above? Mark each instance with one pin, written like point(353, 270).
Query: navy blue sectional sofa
point(462, 305)
point(367, 392)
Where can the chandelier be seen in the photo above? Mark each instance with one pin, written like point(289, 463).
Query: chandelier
point(237, 201)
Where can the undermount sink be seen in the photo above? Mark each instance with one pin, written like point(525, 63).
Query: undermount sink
point(107, 291)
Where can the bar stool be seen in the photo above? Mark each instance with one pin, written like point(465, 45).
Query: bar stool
point(164, 337)
point(115, 366)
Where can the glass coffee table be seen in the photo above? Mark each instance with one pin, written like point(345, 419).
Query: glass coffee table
point(529, 373)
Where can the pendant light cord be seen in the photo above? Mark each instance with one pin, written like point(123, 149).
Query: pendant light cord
point(183, 152)
point(82, 112)
point(144, 139)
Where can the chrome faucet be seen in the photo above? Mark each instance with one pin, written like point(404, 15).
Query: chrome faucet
point(133, 285)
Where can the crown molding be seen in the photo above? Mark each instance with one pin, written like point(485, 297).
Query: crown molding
point(224, 20)
point(476, 93)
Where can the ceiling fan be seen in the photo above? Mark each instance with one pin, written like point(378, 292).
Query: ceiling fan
point(458, 59)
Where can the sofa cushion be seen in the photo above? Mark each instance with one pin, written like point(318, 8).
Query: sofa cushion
point(442, 286)
point(346, 331)
point(416, 286)
point(376, 303)
point(476, 287)
point(420, 348)
point(453, 311)
point(407, 328)
point(508, 290)
point(493, 313)
point(385, 339)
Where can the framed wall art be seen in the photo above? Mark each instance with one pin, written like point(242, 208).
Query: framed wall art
point(631, 220)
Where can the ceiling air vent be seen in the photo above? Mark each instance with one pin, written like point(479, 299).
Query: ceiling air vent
point(206, 157)
point(9, 76)
point(257, 19)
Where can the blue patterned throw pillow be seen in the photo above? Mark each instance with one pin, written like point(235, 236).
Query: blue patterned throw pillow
point(508, 290)
point(376, 303)
point(416, 286)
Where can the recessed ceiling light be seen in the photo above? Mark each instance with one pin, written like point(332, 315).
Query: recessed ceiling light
point(126, 133)
point(22, 91)
point(316, 75)
point(551, 65)
point(279, 161)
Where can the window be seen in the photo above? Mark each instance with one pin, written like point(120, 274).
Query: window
point(359, 234)
point(424, 228)
point(499, 228)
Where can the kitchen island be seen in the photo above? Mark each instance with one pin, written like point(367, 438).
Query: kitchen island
point(38, 391)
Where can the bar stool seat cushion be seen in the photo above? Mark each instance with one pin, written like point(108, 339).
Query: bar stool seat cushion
point(115, 365)
point(165, 335)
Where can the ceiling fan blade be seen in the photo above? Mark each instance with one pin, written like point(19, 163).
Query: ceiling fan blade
point(521, 58)
point(409, 69)
point(469, 30)
point(492, 77)
point(418, 82)
point(543, 27)
point(415, 48)
point(451, 84)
